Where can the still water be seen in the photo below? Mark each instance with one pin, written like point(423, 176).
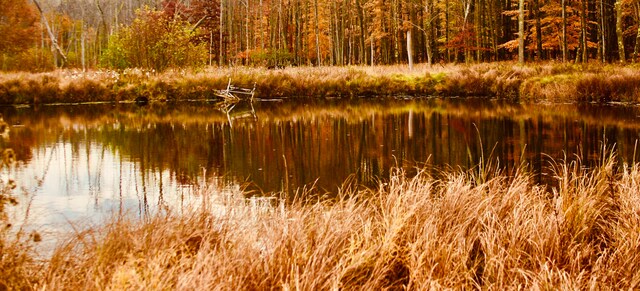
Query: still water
point(96, 160)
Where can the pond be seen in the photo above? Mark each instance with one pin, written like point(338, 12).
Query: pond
point(96, 160)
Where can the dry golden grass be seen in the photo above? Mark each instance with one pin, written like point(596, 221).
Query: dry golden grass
point(539, 81)
point(463, 230)
point(18, 270)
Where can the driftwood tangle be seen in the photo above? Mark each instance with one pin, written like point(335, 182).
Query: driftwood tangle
point(233, 93)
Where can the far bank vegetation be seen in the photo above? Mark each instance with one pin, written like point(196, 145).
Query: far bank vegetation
point(554, 82)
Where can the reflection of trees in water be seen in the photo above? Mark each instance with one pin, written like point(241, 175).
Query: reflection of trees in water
point(92, 173)
point(322, 143)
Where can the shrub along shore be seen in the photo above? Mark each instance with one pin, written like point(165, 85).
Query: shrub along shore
point(463, 230)
point(553, 82)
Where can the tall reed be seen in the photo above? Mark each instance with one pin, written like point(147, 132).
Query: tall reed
point(462, 230)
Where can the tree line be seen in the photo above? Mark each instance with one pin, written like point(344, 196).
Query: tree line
point(44, 34)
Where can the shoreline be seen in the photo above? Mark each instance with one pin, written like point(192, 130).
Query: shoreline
point(547, 82)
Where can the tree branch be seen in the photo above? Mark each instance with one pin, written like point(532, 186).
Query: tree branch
point(54, 42)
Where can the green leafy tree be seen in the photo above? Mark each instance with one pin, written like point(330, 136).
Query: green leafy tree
point(155, 41)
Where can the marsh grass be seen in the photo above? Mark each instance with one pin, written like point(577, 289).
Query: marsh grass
point(16, 252)
point(18, 268)
point(464, 230)
point(538, 81)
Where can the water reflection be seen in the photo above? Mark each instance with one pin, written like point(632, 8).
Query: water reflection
point(78, 160)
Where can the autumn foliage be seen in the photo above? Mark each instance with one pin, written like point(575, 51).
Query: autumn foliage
point(313, 32)
point(156, 41)
point(18, 30)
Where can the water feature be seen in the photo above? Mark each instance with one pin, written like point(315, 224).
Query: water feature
point(95, 160)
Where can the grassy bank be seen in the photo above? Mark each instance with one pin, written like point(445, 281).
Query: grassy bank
point(476, 229)
point(539, 82)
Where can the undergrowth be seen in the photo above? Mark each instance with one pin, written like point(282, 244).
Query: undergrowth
point(538, 81)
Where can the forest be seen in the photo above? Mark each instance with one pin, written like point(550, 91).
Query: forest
point(41, 35)
point(108, 183)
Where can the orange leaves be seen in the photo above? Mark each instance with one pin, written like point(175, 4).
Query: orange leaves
point(18, 25)
point(511, 45)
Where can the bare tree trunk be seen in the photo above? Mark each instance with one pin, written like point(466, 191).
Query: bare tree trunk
point(636, 49)
point(466, 8)
point(493, 20)
point(372, 51)
point(350, 60)
point(339, 39)
point(362, 58)
point(479, 27)
point(282, 40)
point(332, 39)
point(603, 32)
point(395, 28)
point(116, 21)
point(54, 41)
point(343, 24)
point(428, 31)
point(247, 46)
point(618, 7)
point(318, 60)
point(102, 39)
point(538, 31)
point(261, 30)
point(409, 49)
point(83, 36)
point(521, 31)
point(220, 61)
point(41, 53)
point(210, 47)
point(82, 48)
point(446, 29)
point(564, 31)
point(583, 28)
point(299, 28)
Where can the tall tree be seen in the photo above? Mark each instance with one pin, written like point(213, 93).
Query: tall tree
point(53, 38)
point(564, 31)
point(603, 32)
point(18, 28)
point(429, 18)
point(18, 25)
point(618, 7)
point(317, 33)
point(521, 31)
point(636, 49)
point(538, 27)
point(583, 32)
